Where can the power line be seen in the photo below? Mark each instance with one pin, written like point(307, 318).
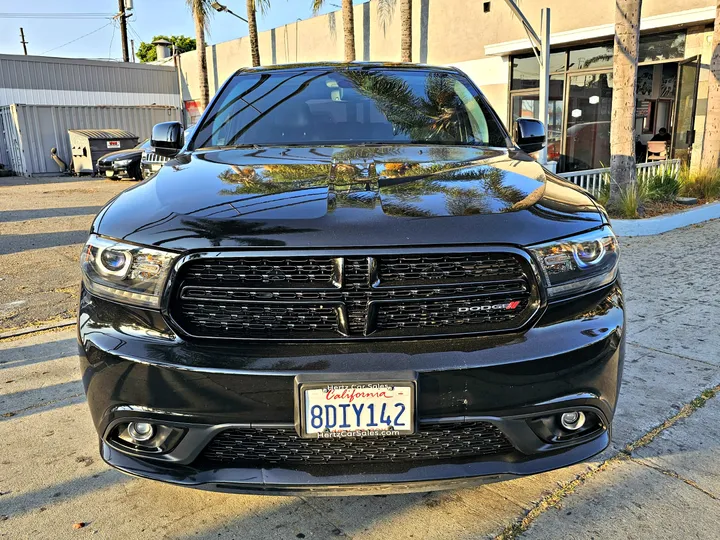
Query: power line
point(56, 15)
point(77, 39)
point(111, 42)
point(132, 29)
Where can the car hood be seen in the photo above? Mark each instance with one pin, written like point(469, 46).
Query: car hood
point(122, 154)
point(348, 197)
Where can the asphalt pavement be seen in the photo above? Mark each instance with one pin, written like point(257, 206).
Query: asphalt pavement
point(659, 478)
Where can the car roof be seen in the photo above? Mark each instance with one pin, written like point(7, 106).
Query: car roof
point(341, 66)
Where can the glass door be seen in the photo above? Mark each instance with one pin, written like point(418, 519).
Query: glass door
point(683, 133)
point(526, 104)
point(589, 106)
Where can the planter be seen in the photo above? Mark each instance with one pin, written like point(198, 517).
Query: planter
point(667, 222)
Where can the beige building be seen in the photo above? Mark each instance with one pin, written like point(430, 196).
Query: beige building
point(486, 41)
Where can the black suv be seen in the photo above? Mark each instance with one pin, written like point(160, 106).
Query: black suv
point(350, 278)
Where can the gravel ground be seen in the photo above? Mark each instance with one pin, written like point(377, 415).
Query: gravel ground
point(43, 224)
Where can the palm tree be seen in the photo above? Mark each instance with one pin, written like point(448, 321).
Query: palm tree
point(711, 139)
point(252, 7)
point(200, 11)
point(622, 125)
point(406, 30)
point(348, 26)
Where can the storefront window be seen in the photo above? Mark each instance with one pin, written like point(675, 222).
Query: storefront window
point(657, 47)
point(588, 130)
point(526, 70)
point(528, 106)
point(580, 105)
point(598, 56)
point(669, 80)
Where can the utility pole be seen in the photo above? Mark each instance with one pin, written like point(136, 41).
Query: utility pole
point(132, 50)
point(541, 48)
point(22, 40)
point(123, 30)
point(544, 76)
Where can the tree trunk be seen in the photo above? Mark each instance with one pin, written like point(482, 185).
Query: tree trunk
point(711, 139)
point(406, 30)
point(349, 30)
point(252, 24)
point(202, 59)
point(623, 174)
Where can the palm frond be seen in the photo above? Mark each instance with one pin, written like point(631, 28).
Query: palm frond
point(262, 6)
point(317, 5)
point(202, 10)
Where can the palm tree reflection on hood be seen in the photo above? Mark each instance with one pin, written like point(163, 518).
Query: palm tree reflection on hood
point(436, 116)
point(469, 188)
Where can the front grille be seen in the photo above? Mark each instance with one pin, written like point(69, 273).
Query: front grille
point(256, 271)
point(283, 445)
point(354, 296)
point(418, 269)
point(152, 157)
point(453, 313)
point(260, 320)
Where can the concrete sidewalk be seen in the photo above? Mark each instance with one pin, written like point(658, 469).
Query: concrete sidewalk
point(52, 477)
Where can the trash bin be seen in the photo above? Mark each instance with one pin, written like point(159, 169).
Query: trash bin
point(89, 145)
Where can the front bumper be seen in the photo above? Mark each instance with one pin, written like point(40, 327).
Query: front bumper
point(135, 367)
point(110, 170)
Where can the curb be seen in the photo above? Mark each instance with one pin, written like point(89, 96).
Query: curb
point(663, 224)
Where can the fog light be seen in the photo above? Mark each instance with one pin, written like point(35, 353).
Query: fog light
point(572, 421)
point(141, 431)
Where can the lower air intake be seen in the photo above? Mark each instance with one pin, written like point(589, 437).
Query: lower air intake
point(283, 445)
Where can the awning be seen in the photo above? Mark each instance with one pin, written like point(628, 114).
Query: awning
point(667, 21)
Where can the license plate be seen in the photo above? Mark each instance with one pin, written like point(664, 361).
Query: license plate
point(337, 410)
point(109, 174)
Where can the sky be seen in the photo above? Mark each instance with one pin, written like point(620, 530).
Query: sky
point(150, 18)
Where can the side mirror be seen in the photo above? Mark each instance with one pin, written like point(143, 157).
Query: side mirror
point(529, 134)
point(167, 138)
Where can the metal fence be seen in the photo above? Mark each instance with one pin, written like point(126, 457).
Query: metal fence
point(594, 180)
point(28, 132)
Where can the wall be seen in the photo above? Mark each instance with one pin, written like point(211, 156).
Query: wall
point(30, 131)
point(40, 80)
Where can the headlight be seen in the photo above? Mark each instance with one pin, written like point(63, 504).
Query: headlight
point(578, 264)
point(125, 272)
point(122, 162)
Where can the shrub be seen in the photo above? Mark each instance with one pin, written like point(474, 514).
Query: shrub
point(603, 196)
point(702, 183)
point(663, 187)
point(632, 198)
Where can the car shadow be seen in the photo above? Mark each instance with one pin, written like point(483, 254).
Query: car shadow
point(40, 213)
point(8, 181)
point(40, 352)
point(21, 503)
point(16, 243)
point(41, 399)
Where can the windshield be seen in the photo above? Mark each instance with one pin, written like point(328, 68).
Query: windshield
point(352, 106)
